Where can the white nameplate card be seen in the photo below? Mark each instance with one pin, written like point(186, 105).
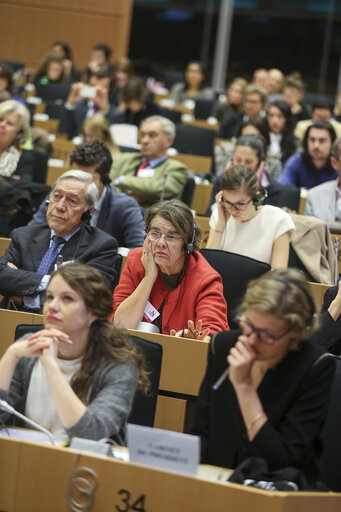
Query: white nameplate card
point(147, 172)
point(150, 313)
point(164, 449)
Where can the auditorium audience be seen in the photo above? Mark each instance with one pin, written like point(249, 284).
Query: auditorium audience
point(240, 223)
point(322, 110)
point(293, 92)
point(123, 72)
point(194, 86)
point(99, 60)
point(97, 127)
point(324, 201)
point(134, 104)
point(312, 167)
point(115, 213)
point(27, 264)
point(253, 107)
point(84, 101)
point(279, 122)
point(275, 84)
point(233, 102)
point(150, 175)
point(260, 77)
point(14, 131)
point(168, 282)
point(50, 71)
point(77, 377)
point(274, 402)
point(70, 70)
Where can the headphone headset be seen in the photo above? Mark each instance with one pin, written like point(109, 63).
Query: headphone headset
point(188, 248)
point(86, 216)
point(257, 200)
point(313, 315)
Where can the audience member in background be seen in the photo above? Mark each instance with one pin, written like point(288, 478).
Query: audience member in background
point(313, 166)
point(323, 111)
point(150, 175)
point(31, 256)
point(134, 105)
point(324, 201)
point(293, 92)
point(194, 86)
point(85, 101)
point(64, 50)
point(275, 84)
point(40, 141)
point(50, 71)
point(234, 100)
point(14, 131)
point(123, 72)
point(241, 224)
point(99, 60)
point(279, 122)
point(250, 150)
point(168, 282)
point(77, 376)
point(253, 107)
point(97, 127)
point(223, 152)
point(260, 77)
point(117, 214)
point(275, 400)
point(337, 108)
point(7, 84)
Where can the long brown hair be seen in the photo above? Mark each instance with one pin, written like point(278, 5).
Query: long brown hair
point(106, 342)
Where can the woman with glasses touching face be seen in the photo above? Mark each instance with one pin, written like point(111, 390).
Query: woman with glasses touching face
point(241, 224)
point(167, 282)
point(274, 400)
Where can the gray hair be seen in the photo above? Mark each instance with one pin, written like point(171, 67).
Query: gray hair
point(24, 119)
point(91, 193)
point(167, 125)
point(335, 152)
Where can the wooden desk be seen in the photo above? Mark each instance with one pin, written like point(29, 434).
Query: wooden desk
point(204, 224)
point(201, 198)
point(35, 478)
point(197, 163)
point(4, 243)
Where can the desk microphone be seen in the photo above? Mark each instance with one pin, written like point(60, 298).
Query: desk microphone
point(8, 408)
point(165, 176)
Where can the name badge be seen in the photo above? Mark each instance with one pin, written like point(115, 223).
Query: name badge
point(150, 313)
point(145, 173)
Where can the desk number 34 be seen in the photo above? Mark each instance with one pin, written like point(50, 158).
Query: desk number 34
point(127, 504)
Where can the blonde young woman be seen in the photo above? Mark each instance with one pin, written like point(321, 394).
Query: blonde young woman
point(97, 127)
point(241, 224)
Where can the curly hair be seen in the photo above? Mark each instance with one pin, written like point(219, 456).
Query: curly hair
point(92, 153)
point(106, 342)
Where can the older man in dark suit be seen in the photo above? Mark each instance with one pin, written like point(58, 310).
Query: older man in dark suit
point(36, 250)
point(116, 213)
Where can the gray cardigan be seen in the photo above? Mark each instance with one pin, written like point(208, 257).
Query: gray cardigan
point(111, 396)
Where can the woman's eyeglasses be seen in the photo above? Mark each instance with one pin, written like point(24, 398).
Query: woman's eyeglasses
point(264, 336)
point(155, 236)
point(237, 206)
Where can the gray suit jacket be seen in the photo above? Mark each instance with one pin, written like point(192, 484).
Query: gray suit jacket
point(89, 245)
point(321, 201)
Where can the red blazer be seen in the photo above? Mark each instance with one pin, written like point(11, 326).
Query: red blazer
point(198, 297)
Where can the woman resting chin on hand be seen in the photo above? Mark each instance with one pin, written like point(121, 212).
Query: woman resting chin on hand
point(77, 376)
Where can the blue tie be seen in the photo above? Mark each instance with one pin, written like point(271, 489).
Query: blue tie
point(50, 255)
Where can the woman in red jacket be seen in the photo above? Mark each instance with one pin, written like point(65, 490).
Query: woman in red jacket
point(167, 282)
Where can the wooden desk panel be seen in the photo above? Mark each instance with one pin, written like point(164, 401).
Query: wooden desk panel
point(40, 478)
point(9, 320)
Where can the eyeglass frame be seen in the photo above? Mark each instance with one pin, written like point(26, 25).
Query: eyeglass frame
point(160, 235)
point(259, 332)
point(239, 206)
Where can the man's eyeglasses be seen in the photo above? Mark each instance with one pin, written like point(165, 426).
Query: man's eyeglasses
point(155, 236)
point(237, 206)
point(264, 336)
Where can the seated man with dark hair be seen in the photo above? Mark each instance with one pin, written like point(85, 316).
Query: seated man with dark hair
point(86, 100)
point(322, 111)
point(115, 213)
point(35, 250)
